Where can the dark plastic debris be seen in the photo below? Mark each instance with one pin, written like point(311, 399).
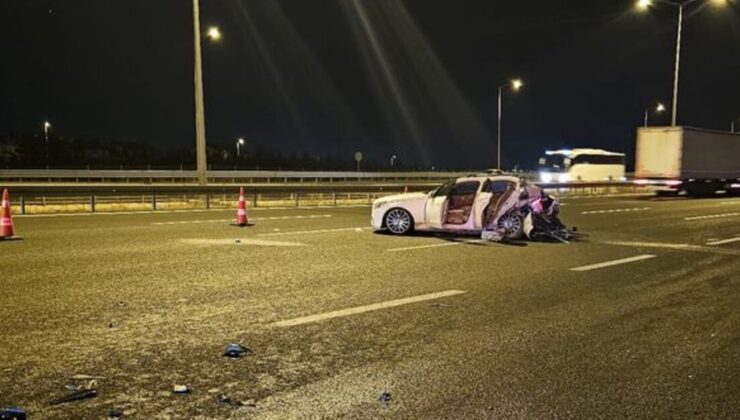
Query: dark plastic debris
point(234, 350)
point(115, 413)
point(75, 396)
point(13, 413)
point(225, 399)
point(385, 397)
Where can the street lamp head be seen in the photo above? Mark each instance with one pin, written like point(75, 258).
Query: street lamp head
point(517, 84)
point(214, 33)
point(660, 107)
point(47, 125)
point(644, 4)
point(241, 141)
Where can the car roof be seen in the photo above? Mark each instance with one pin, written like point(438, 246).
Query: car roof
point(481, 178)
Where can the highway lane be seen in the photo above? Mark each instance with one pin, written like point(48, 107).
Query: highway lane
point(149, 300)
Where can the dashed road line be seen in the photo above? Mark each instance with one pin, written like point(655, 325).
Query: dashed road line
point(412, 248)
point(615, 210)
point(711, 216)
point(723, 241)
point(316, 231)
point(675, 246)
point(613, 263)
point(366, 308)
point(257, 219)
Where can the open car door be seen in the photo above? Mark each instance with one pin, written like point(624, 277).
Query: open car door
point(434, 212)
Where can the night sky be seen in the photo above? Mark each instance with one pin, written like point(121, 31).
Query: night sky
point(415, 78)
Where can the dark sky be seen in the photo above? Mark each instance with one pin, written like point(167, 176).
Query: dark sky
point(416, 78)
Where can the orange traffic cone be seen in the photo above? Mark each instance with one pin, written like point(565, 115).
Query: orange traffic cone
point(241, 211)
point(6, 220)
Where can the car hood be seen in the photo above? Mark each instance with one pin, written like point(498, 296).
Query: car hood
point(400, 198)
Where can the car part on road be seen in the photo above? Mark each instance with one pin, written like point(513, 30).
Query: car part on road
point(235, 350)
point(82, 394)
point(13, 413)
point(181, 389)
point(115, 413)
point(385, 397)
point(398, 221)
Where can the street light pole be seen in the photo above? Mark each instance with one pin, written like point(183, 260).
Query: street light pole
point(47, 126)
point(674, 111)
point(200, 119)
point(515, 84)
point(239, 144)
point(498, 147)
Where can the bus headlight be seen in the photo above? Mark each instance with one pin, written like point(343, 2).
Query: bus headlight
point(545, 177)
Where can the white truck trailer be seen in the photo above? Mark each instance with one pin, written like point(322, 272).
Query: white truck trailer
point(691, 161)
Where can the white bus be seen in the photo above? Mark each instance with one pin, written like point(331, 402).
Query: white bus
point(569, 165)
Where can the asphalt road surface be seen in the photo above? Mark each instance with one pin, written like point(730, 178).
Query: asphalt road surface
point(641, 320)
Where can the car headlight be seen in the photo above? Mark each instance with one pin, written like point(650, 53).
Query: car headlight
point(545, 176)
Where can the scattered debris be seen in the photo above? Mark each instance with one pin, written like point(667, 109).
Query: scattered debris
point(235, 350)
point(225, 399)
point(85, 377)
point(238, 241)
point(13, 413)
point(81, 394)
point(181, 389)
point(121, 303)
point(115, 413)
point(385, 397)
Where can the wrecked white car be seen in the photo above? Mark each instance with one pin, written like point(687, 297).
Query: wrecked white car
point(493, 206)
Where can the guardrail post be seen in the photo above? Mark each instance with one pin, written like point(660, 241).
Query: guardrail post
point(297, 199)
point(334, 199)
point(154, 202)
point(254, 200)
point(208, 201)
point(368, 199)
point(23, 205)
point(92, 203)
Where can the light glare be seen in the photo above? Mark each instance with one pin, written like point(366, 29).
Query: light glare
point(214, 33)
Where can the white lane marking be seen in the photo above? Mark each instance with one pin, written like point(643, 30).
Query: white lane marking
point(367, 308)
point(679, 247)
point(256, 242)
point(731, 202)
point(615, 210)
point(723, 241)
point(613, 263)
point(310, 232)
point(653, 245)
point(712, 216)
point(256, 219)
point(411, 248)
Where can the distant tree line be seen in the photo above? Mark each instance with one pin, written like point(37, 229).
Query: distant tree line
point(36, 151)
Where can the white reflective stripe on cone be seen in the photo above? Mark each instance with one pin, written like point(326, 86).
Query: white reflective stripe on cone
point(241, 212)
point(5, 204)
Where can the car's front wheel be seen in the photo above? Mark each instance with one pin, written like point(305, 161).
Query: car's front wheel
point(512, 224)
point(399, 221)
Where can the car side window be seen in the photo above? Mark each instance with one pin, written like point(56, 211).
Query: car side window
point(464, 188)
point(497, 187)
point(445, 189)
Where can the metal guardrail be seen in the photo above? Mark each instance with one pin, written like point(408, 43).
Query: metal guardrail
point(174, 176)
point(131, 197)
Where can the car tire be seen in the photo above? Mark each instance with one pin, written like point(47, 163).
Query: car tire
point(398, 221)
point(512, 224)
